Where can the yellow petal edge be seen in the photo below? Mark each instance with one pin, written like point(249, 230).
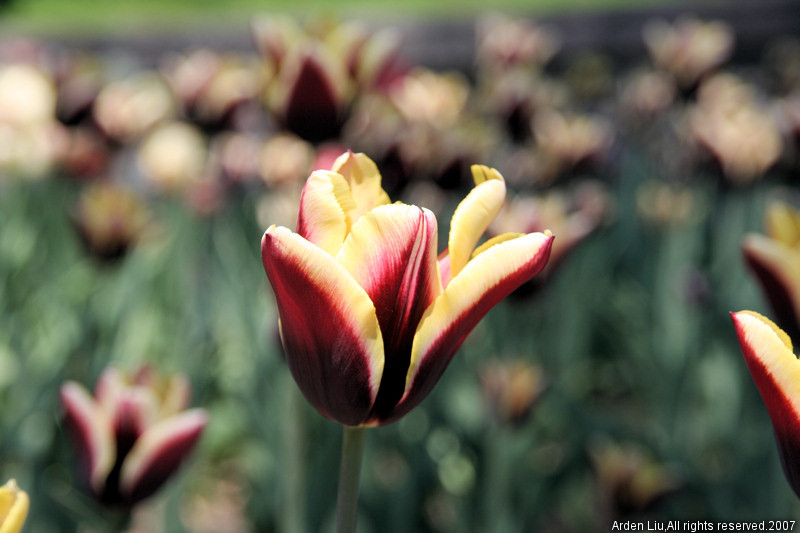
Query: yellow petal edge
point(773, 348)
point(14, 504)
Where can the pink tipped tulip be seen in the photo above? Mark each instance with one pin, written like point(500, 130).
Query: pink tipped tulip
point(370, 317)
point(133, 434)
point(776, 371)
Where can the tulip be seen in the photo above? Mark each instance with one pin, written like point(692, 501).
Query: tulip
point(774, 259)
point(370, 317)
point(511, 389)
point(731, 125)
point(110, 219)
point(775, 369)
point(629, 479)
point(14, 504)
point(133, 434)
point(311, 93)
point(689, 48)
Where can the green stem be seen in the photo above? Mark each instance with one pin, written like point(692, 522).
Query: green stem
point(292, 518)
point(349, 473)
point(499, 468)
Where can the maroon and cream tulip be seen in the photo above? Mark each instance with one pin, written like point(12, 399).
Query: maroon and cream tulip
point(133, 434)
point(370, 316)
point(776, 371)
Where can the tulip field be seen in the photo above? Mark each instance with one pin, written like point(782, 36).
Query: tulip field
point(316, 285)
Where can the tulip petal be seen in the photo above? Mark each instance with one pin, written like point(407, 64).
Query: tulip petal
point(776, 372)
point(314, 89)
point(486, 280)
point(159, 452)
point(775, 266)
point(391, 253)
point(93, 434)
point(14, 504)
point(325, 204)
point(329, 328)
point(474, 214)
point(783, 223)
point(365, 181)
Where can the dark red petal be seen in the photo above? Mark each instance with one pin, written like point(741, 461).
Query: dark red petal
point(391, 253)
point(159, 452)
point(329, 329)
point(487, 279)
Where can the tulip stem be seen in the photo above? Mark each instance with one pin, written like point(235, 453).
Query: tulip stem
point(349, 473)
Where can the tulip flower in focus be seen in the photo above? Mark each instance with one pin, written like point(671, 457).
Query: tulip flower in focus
point(775, 369)
point(370, 317)
point(14, 504)
point(133, 434)
point(774, 258)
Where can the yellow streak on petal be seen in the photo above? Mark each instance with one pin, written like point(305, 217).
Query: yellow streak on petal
point(473, 215)
point(14, 504)
point(482, 173)
point(326, 206)
point(773, 348)
point(783, 223)
point(465, 290)
point(365, 182)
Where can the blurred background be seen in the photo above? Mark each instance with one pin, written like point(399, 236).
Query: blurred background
point(146, 146)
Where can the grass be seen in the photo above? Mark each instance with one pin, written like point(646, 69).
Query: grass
point(70, 16)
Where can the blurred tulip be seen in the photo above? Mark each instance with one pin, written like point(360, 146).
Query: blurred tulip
point(14, 504)
point(126, 109)
point(689, 48)
point(421, 129)
point(504, 41)
point(629, 480)
point(220, 505)
point(133, 434)
point(572, 216)
point(173, 156)
point(30, 136)
point(311, 93)
point(110, 219)
point(647, 94)
point(668, 205)
point(741, 134)
point(274, 35)
point(511, 389)
point(515, 95)
point(210, 87)
point(85, 154)
point(566, 140)
point(774, 258)
point(285, 158)
point(370, 318)
point(27, 95)
point(775, 370)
